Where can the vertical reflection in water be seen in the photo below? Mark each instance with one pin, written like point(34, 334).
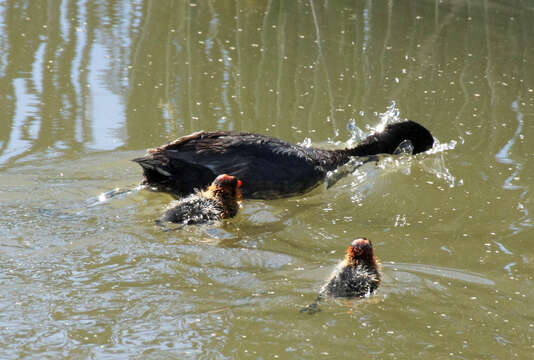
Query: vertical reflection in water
point(188, 111)
point(317, 86)
point(436, 15)
point(463, 73)
point(4, 43)
point(323, 65)
point(262, 82)
point(288, 69)
point(489, 68)
point(281, 51)
point(89, 18)
point(21, 139)
point(18, 27)
point(385, 45)
point(143, 110)
point(60, 122)
point(366, 27)
point(366, 63)
point(77, 72)
point(504, 157)
point(64, 19)
point(51, 98)
point(237, 74)
point(225, 60)
point(69, 105)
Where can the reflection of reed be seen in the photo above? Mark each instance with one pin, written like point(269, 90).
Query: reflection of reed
point(324, 63)
point(488, 71)
point(17, 60)
point(84, 86)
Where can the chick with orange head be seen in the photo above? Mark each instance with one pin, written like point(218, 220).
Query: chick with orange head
point(358, 275)
point(219, 201)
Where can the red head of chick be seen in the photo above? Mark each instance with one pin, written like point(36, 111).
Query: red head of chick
point(356, 276)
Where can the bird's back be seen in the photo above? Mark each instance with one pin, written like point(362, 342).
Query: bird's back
point(268, 167)
point(352, 281)
point(194, 209)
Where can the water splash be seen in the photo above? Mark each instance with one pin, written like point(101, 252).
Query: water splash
point(307, 143)
point(433, 162)
point(362, 184)
point(404, 148)
point(437, 167)
point(356, 134)
point(332, 177)
point(390, 116)
point(116, 193)
point(442, 147)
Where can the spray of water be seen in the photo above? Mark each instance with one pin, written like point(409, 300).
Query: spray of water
point(432, 161)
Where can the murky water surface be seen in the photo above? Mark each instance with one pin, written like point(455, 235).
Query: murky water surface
point(85, 86)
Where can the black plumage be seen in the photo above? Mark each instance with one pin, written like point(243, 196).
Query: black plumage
point(269, 167)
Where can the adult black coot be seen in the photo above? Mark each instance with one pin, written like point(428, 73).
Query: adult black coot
point(268, 167)
point(218, 201)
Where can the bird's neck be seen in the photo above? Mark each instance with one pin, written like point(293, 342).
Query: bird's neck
point(369, 261)
point(228, 203)
point(342, 156)
point(369, 146)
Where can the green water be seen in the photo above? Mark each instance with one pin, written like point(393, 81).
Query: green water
point(85, 86)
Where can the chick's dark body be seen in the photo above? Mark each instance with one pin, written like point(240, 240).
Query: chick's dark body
point(193, 210)
point(352, 281)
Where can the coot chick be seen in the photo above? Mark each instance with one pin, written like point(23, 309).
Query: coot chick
point(356, 276)
point(218, 201)
point(269, 167)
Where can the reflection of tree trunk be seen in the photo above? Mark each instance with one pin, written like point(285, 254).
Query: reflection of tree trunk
point(262, 83)
point(45, 136)
point(7, 104)
point(19, 45)
point(357, 81)
point(84, 86)
point(323, 63)
point(145, 123)
point(65, 77)
point(51, 100)
point(282, 51)
point(239, 69)
point(488, 71)
point(287, 96)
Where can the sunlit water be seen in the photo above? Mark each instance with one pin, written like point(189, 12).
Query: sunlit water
point(88, 86)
